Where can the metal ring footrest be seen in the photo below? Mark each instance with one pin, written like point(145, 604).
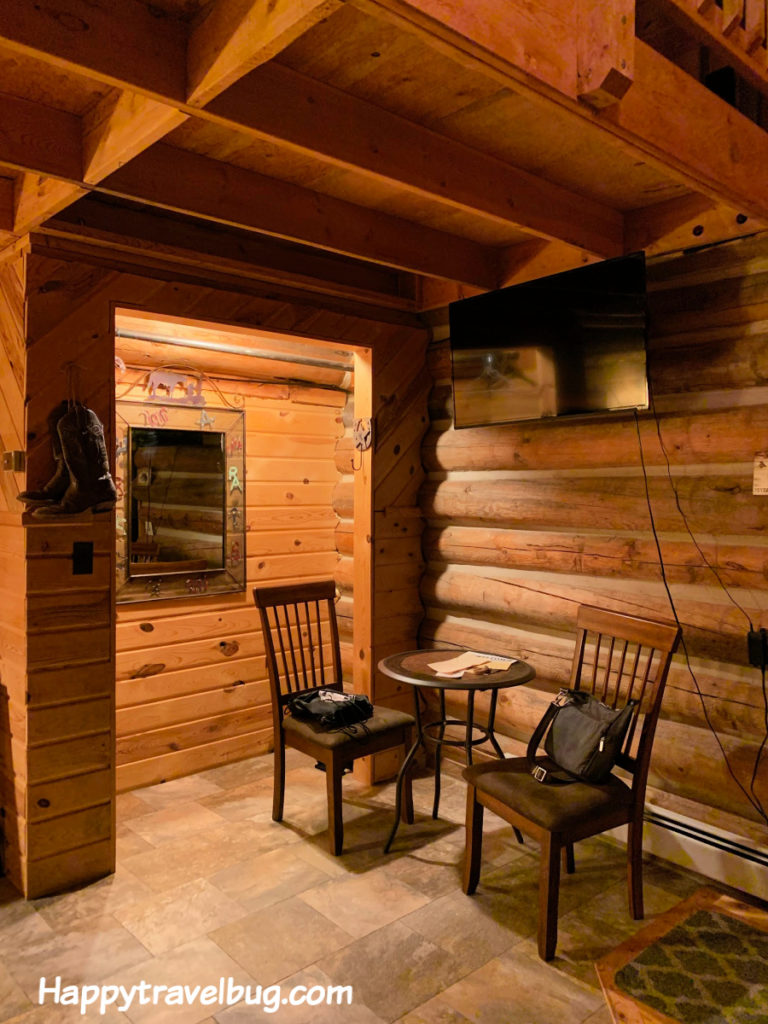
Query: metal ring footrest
point(483, 738)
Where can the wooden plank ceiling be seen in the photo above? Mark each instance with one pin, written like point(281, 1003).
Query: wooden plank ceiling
point(454, 145)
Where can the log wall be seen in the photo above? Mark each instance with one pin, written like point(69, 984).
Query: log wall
point(527, 521)
point(192, 685)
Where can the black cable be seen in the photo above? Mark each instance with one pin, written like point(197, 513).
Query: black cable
point(751, 797)
point(709, 565)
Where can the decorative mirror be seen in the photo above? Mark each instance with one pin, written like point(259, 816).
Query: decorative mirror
point(180, 475)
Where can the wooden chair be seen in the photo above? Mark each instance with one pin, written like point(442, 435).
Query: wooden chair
point(302, 645)
point(616, 657)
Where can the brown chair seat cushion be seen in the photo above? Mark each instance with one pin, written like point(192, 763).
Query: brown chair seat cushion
point(555, 808)
point(383, 720)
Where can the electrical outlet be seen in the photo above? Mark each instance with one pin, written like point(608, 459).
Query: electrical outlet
point(757, 647)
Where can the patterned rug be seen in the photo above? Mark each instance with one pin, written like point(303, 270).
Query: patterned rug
point(703, 962)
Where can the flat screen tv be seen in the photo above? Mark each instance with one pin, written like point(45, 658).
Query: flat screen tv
point(572, 344)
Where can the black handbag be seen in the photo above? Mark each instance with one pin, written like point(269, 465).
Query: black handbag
point(331, 709)
point(582, 736)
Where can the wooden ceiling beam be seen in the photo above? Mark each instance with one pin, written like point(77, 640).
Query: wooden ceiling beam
point(667, 118)
point(285, 107)
point(124, 43)
point(119, 127)
point(235, 36)
point(684, 223)
point(6, 210)
point(36, 137)
point(38, 197)
point(208, 249)
point(185, 182)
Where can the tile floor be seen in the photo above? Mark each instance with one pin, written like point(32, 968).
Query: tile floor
point(208, 887)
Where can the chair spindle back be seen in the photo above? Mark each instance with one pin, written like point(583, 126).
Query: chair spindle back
point(301, 638)
point(620, 658)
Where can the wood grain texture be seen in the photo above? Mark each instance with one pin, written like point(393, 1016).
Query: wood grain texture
point(527, 521)
point(13, 643)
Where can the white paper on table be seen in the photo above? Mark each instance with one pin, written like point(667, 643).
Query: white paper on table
point(455, 668)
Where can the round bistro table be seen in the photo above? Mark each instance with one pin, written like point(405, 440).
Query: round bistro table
point(413, 667)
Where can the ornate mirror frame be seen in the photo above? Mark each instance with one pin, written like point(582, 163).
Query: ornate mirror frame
point(136, 580)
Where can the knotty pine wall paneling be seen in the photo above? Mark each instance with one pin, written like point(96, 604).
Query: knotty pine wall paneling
point(398, 392)
point(13, 643)
point(192, 685)
point(526, 521)
point(70, 654)
point(70, 622)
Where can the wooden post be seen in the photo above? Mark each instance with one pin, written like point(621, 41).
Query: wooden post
point(362, 629)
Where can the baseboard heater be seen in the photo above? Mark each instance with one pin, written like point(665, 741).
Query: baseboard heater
point(723, 856)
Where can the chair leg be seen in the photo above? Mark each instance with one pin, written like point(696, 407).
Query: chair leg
point(278, 786)
point(473, 846)
point(334, 769)
point(569, 862)
point(549, 890)
point(635, 868)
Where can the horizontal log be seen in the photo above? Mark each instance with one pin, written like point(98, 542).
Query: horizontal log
point(736, 689)
point(605, 503)
point(635, 557)
point(715, 631)
point(708, 365)
point(727, 435)
point(685, 760)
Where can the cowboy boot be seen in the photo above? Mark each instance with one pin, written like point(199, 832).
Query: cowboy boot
point(85, 453)
point(57, 485)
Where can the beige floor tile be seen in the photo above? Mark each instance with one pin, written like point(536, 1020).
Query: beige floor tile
point(130, 805)
point(364, 903)
point(261, 881)
point(128, 844)
point(240, 802)
point(435, 1011)
point(89, 951)
point(196, 964)
point(429, 870)
point(392, 970)
point(267, 902)
point(173, 821)
point(336, 1011)
point(13, 1000)
point(52, 1014)
point(278, 941)
point(241, 773)
point(517, 989)
point(102, 897)
point(178, 791)
point(21, 924)
point(201, 855)
point(473, 929)
point(176, 916)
